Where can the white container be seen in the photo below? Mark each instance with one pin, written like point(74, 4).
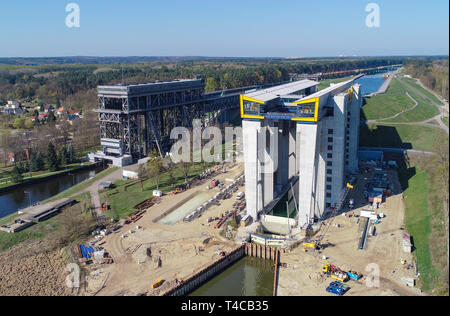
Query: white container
point(157, 193)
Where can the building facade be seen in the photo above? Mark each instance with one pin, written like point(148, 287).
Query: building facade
point(297, 138)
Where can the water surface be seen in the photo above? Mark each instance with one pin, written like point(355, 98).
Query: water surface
point(249, 276)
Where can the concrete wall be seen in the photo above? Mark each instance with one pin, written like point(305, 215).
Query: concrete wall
point(354, 109)
point(338, 168)
point(306, 140)
point(252, 169)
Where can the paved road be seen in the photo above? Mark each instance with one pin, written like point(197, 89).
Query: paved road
point(442, 111)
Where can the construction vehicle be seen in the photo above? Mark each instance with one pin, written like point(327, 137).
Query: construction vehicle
point(353, 275)
point(157, 284)
point(311, 244)
point(335, 272)
point(337, 288)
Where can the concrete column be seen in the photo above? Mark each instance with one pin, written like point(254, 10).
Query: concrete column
point(252, 171)
point(269, 144)
point(293, 166)
point(282, 171)
point(307, 165)
point(354, 108)
point(339, 135)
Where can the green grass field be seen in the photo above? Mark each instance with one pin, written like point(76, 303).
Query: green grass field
point(81, 186)
point(386, 105)
point(425, 92)
point(37, 231)
point(399, 136)
point(425, 110)
point(445, 121)
point(122, 202)
point(417, 223)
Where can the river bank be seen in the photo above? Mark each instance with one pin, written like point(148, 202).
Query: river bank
point(47, 176)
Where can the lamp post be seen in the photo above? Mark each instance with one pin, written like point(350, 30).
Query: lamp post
point(29, 197)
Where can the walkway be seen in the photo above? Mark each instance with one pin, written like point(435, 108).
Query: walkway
point(428, 122)
point(441, 109)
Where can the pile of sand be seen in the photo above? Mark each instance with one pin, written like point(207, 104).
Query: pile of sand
point(25, 272)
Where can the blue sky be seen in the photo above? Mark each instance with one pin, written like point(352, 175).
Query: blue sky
point(243, 28)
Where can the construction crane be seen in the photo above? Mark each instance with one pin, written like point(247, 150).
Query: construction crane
point(333, 214)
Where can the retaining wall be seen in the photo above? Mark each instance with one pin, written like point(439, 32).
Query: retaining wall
point(193, 282)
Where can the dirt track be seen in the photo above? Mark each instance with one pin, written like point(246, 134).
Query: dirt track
point(304, 276)
point(183, 247)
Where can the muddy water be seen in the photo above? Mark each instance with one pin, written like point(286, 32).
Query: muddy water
point(247, 277)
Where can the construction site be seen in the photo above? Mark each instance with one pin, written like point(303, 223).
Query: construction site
point(330, 221)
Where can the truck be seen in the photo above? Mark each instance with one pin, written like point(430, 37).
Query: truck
point(337, 288)
point(353, 275)
point(335, 272)
point(213, 184)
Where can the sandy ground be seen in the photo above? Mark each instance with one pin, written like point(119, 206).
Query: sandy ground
point(183, 248)
point(23, 273)
point(303, 275)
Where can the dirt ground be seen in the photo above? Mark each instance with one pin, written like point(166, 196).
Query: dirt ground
point(303, 274)
point(183, 248)
point(24, 273)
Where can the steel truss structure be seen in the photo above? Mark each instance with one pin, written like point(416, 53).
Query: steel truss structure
point(137, 118)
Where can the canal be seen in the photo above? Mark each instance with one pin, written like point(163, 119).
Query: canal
point(371, 83)
point(249, 276)
point(13, 200)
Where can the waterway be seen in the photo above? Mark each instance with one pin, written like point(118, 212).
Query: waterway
point(371, 83)
point(28, 194)
point(249, 276)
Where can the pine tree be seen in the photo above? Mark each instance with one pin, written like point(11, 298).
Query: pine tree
point(62, 156)
point(16, 176)
point(70, 154)
point(52, 158)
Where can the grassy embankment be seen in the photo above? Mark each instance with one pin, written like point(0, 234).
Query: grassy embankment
point(395, 101)
point(5, 172)
point(421, 190)
point(38, 231)
point(424, 221)
point(389, 134)
point(81, 186)
point(425, 92)
point(43, 229)
point(445, 121)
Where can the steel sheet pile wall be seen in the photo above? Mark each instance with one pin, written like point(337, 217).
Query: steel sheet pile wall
point(193, 282)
